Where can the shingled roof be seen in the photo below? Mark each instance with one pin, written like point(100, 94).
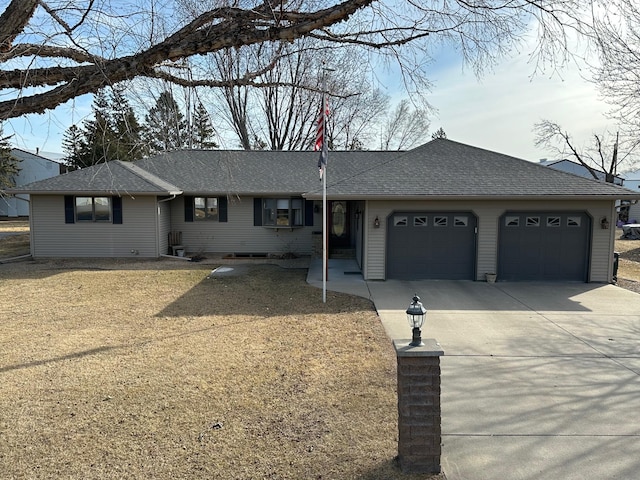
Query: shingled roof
point(262, 172)
point(441, 169)
point(445, 169)
point(113, 178)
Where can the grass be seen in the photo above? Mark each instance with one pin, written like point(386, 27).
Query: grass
point(15, 245)
point(152, 370)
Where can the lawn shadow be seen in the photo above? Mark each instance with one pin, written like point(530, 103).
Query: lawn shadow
point(70, 356)
point(243, 293)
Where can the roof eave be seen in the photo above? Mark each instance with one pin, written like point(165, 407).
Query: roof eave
point(317, 196)
point(94, 193)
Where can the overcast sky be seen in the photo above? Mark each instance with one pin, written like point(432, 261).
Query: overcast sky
point(497, 112)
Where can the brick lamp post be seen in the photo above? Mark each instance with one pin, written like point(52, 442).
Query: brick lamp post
point(419, 413)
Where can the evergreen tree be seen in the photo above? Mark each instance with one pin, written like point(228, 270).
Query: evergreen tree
point(440, 133)
point(73, 144)
point(8, 163)
point(112, 134)
point(165, 125)
point(126, 128)
point(202, 132)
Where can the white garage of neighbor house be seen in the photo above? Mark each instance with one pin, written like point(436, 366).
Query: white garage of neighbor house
point(444, 210)
point(32, 167)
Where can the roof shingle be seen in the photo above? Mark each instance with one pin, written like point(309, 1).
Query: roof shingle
point(439, 169)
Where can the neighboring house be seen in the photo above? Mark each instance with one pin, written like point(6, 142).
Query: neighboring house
point(632, 182)
point(444, 210)
point(32, 168)
point(578, 169)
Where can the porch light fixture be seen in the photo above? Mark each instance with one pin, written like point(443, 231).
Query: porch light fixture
point(604, 223)
point(415, 316)
point(376, 222)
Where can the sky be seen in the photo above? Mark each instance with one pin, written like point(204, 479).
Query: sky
point(496, 112)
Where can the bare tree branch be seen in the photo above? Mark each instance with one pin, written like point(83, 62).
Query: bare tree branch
point(551, 136)
point(14, 19)
point(65, 51)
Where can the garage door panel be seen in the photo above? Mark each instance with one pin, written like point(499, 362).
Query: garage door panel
point(544, 246)
point(431, 245)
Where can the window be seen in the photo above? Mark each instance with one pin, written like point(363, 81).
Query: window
point(420, 221)
point(512, 221)
point(533, 221)
point(400, 221)
point(205, 208)
point(440, 221)
point(553, 221)
point(93, 209)
point(282, 212)
point(460, 221)
point(574, 221)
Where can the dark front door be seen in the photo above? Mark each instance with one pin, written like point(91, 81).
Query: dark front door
point(339, 228)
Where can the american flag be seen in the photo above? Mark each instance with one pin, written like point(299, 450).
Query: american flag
point(321, 144)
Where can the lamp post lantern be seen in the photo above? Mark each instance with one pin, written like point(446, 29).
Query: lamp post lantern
point(415, 316)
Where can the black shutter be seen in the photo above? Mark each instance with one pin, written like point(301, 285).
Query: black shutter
point(69, 211)
point(188, 208)
point(257, 212)
point(116, 206)
point(308, 213)
point(223, 207)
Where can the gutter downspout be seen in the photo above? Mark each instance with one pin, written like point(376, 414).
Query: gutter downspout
point(173, 197)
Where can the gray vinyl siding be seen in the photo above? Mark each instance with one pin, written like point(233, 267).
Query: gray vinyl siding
point(488, 213)
point(238, 234)
point(52, 237)
point(164, 227)
point(634, 213)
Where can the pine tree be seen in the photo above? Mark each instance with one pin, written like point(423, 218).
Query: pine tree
point(112, 134)
point(8, 163)
point(440, 133)
point(74, 146)
point(126, 128)
point(166, 128)
point(203, 132)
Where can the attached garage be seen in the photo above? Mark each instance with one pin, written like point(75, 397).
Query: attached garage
point(544, 246)
point(431, 245)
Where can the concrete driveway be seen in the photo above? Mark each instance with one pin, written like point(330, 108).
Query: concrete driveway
point(539, 381)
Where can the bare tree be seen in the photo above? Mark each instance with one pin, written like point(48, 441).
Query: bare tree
point(605, 155)
point(283, 114)
point(55, 50)
point(405, 127)
point(618, 72)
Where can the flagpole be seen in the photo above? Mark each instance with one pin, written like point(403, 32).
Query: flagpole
point(325, 256)
point(325, 152)
point(321, 144)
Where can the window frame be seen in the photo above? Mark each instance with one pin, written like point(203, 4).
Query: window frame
point(96, 217)
point(283, 212)
point(207, 217)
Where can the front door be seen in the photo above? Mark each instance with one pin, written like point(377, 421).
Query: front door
point(339, 231)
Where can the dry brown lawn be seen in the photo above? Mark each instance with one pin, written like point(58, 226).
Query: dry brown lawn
point(150, 369)
point(15, 245)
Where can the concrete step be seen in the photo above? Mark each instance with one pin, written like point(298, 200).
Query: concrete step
point(342, 253)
